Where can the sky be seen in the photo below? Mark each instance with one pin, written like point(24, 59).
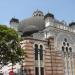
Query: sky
point(22, 9)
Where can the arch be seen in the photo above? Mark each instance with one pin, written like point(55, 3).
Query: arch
point(36, 51)
point(41, 52)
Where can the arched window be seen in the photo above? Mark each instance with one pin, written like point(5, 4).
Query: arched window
point(39, 56)
point(64, 43)
point(42, 70)
point(63, 48)
point(65, 39)
point(67, 49)
point(67, 44)
point(70, 49)
point(36, 71)
point(36, 52)
point(41, 52)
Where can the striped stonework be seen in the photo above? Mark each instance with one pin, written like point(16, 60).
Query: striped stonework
point(29, 60)
point(52, 63)
point(53, 60)
point(73, 63)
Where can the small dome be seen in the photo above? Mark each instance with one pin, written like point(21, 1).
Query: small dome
point(14, 20)
point(71, 24)
point(38, 13)
point(49, 15)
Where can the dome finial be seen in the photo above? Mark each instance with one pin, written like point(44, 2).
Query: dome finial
point(37, 13)
point(37, 9)
point(48, 11)
point(14, 17)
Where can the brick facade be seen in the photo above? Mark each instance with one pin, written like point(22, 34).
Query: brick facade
point(53, 63)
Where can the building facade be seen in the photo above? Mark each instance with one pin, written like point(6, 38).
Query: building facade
point(48, 43)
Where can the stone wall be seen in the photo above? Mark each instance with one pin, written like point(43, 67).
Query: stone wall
point(53, 63)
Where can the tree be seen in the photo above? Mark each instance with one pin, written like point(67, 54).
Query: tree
point(10, 49)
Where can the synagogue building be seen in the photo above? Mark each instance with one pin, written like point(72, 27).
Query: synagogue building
point(48, 43)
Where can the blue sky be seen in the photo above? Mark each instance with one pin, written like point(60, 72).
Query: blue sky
point(62, 9)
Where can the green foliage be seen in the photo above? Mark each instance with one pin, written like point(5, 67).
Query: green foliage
point(6, 33)
point(10, 50)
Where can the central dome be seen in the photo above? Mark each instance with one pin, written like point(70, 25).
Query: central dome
point(34, 23)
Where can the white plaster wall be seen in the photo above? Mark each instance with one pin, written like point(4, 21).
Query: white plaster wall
point(70, 39)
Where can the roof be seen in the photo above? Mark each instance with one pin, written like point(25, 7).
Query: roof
point(72, 23)
point(32, 24)
point(49, 15)
point(14, 20)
